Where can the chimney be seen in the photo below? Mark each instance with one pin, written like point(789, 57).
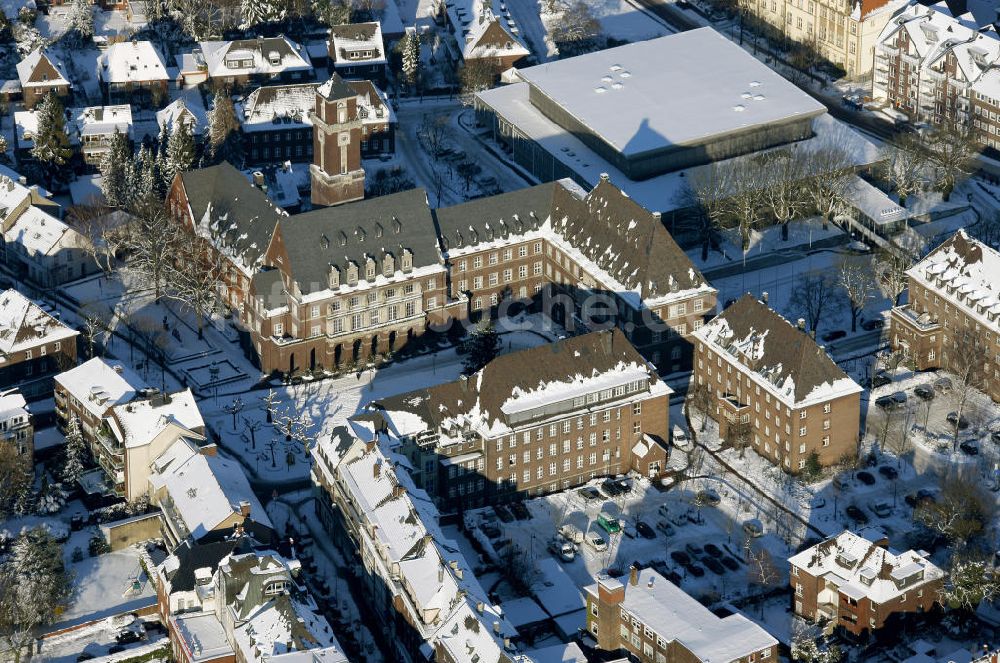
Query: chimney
point(763, 296)
point(657, 216)
point(440, 574)
point(604, 177)
point(506, 643)
point(370, 447)
point(118, 368)
point(801, 324)
point(633, 575)
point(21, 179)
point(245, 509)
point(650, 583)
point(377, 468)
point(258, 178)
point(496, 627)
point(479, 607)
point(398, 491)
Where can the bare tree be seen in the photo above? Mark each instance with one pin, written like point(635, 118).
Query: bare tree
point(270, 404)
point(783, 191)
point(107, 232)
point(951, 150)
point(971, 580)
point(476, 75)
point(700, 400)
point(891, 267)
point(965, 360)
point(814, 296)
point(234, 408)
point(904, 158)
point(576, 30)
point(745, 203)
point(708, 191)
point(856, 278)
point(962, 511)
point(154, 246)
point(832, 173)
point(433, 134)
point(253, 425)
point(94, 316)
point(197, 280)
point(761, 570)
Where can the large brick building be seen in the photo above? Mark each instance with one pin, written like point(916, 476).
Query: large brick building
point(953, 312)
point(532, 422)
point(770, 375)
point(34, 346)
point(651, 620)
point(858, 583)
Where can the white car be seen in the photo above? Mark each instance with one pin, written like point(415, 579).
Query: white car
point(597, 542)
point(562, 549)
point(681, 439)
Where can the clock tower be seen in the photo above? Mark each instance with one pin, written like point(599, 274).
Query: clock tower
point(336, 173)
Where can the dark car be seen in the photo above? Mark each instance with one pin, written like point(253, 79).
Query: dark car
point(886, 402)
point(888, 472)
point(866, 478)
point(730, 563)
point(624, 485)
point(713, 565)
point(834, 335)
point(872, 325)
point(924, 391)
point(115, 649)
point(680, 557)
point(856, 514)
point(489, 530)
point(713, 550)
point(956, 420)
point(520, 511)
point(644, 530)
point(611, 488)
point(693, 548)
point(127, 637)
point(880, 379)
point(589, 493)
point(695, 570)
point(503, 514)
point(922, 496)
point(969, 448)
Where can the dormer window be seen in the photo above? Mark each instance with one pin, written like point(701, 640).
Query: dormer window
point(388, 265)
point(276, 587)
point(407, 261)
point(333, 277)
point(352, 274)
point(370, 269)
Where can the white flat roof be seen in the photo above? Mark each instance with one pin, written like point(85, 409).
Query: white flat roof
point(674, 90)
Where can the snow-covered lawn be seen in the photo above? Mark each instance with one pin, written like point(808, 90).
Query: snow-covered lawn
point(801, 235)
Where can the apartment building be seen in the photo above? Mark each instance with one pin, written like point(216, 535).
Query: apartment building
point(940, 69)
point(34, 346)
point(844, 32)
point(423, 595)
point(532, 422)
point(951, 318)
point(856, 581)
point(770, 375)
point(649, 619)
point(16, 428)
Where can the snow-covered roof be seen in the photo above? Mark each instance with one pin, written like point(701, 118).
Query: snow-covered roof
point(132, 62)
point(775, 354)
point(630, 100)
point(277, 107)
point(287, 620)
point(357, 43)
point(270, 55)
point(485, 29)
point(874, 203)
point(188, 108)
point(13, 194)
point(137, 422)
point(100, 385)
point(51, 73)
point(675, 616)
point(24, 325)
point(12, 403)
point(101, 120)
point(202, 636)
point(861, 568)
point(38, 232)
point(206, 490)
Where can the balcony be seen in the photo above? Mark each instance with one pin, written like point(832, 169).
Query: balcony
point(920, 321)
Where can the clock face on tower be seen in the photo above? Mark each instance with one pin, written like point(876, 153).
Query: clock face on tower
point(344, 138)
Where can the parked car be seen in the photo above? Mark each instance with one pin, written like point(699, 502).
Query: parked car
point(681, 439)
point(571, 533)
point(695, 570)
point(127, 637)
point(922, 496)
point(881, 509)
point(624, 485)
point(562, 549)
point(713, 565)
point(881, 378)
point(955, 420)
point(866, 478)
point(942, 385)
point(753, 527)
point(520, 511)
point(873, 324)
point(888, 472)
point(708, 497)
point(713, 550)
point(969, 448)
point(611, 487)
point(680, 518)
point(924, 391)
point(589, 493)
point(886, 402)
point(665, 527)
point(834, 335)
point(644, 530)
point(693, 549)
point(899, 397)
point(629, 531)
point(609, 523)
point(503, 514)
point(730, 563)
point(854, 513)
point(680, 557)
point(597, 542)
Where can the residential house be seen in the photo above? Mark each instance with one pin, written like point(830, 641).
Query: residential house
point(242, 63)
point(356, 51)
point(277, 122)
point(93, 128)
point(44, 251)
point(34, 346)
point(422, 591)
point(486, 32)
point(951, 318)
point(859, 584)
point(204, 497)
point(188, 109)
point(39, 74)
point(532, 422)
point(133, 72)
point(16, 427)
point(651, 620)
point(773, 389)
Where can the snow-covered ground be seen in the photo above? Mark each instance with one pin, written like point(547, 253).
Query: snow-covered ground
point(801, 236)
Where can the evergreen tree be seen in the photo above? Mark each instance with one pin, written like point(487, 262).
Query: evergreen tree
point(180, 154)
point(411, 58)
point(150, 177)
point(51, 143)
point(117, 172)
point(3, 149)
point(223, 132)
point(482, 345)
point(81, 20)
point(259, 12)
point(76, 453)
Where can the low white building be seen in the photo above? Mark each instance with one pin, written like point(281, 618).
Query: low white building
point(15, 423)
point(92, 128)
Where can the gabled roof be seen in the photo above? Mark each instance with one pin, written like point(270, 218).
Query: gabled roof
point(99, 385)
point(970, 271)
point(36, 69)
point(348, 38)
point(131, 62)
point(494, 218)
point(289, 56)
point(785, 356)
point(625, 240)
point(277, 104)
point(353, 232)
point(24, 325)
point(236, 216)
point(188, 108)
point(137, 422)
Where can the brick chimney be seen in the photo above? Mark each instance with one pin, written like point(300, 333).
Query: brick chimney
point(633, 575)
point(245, 509)
point(610, 591)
